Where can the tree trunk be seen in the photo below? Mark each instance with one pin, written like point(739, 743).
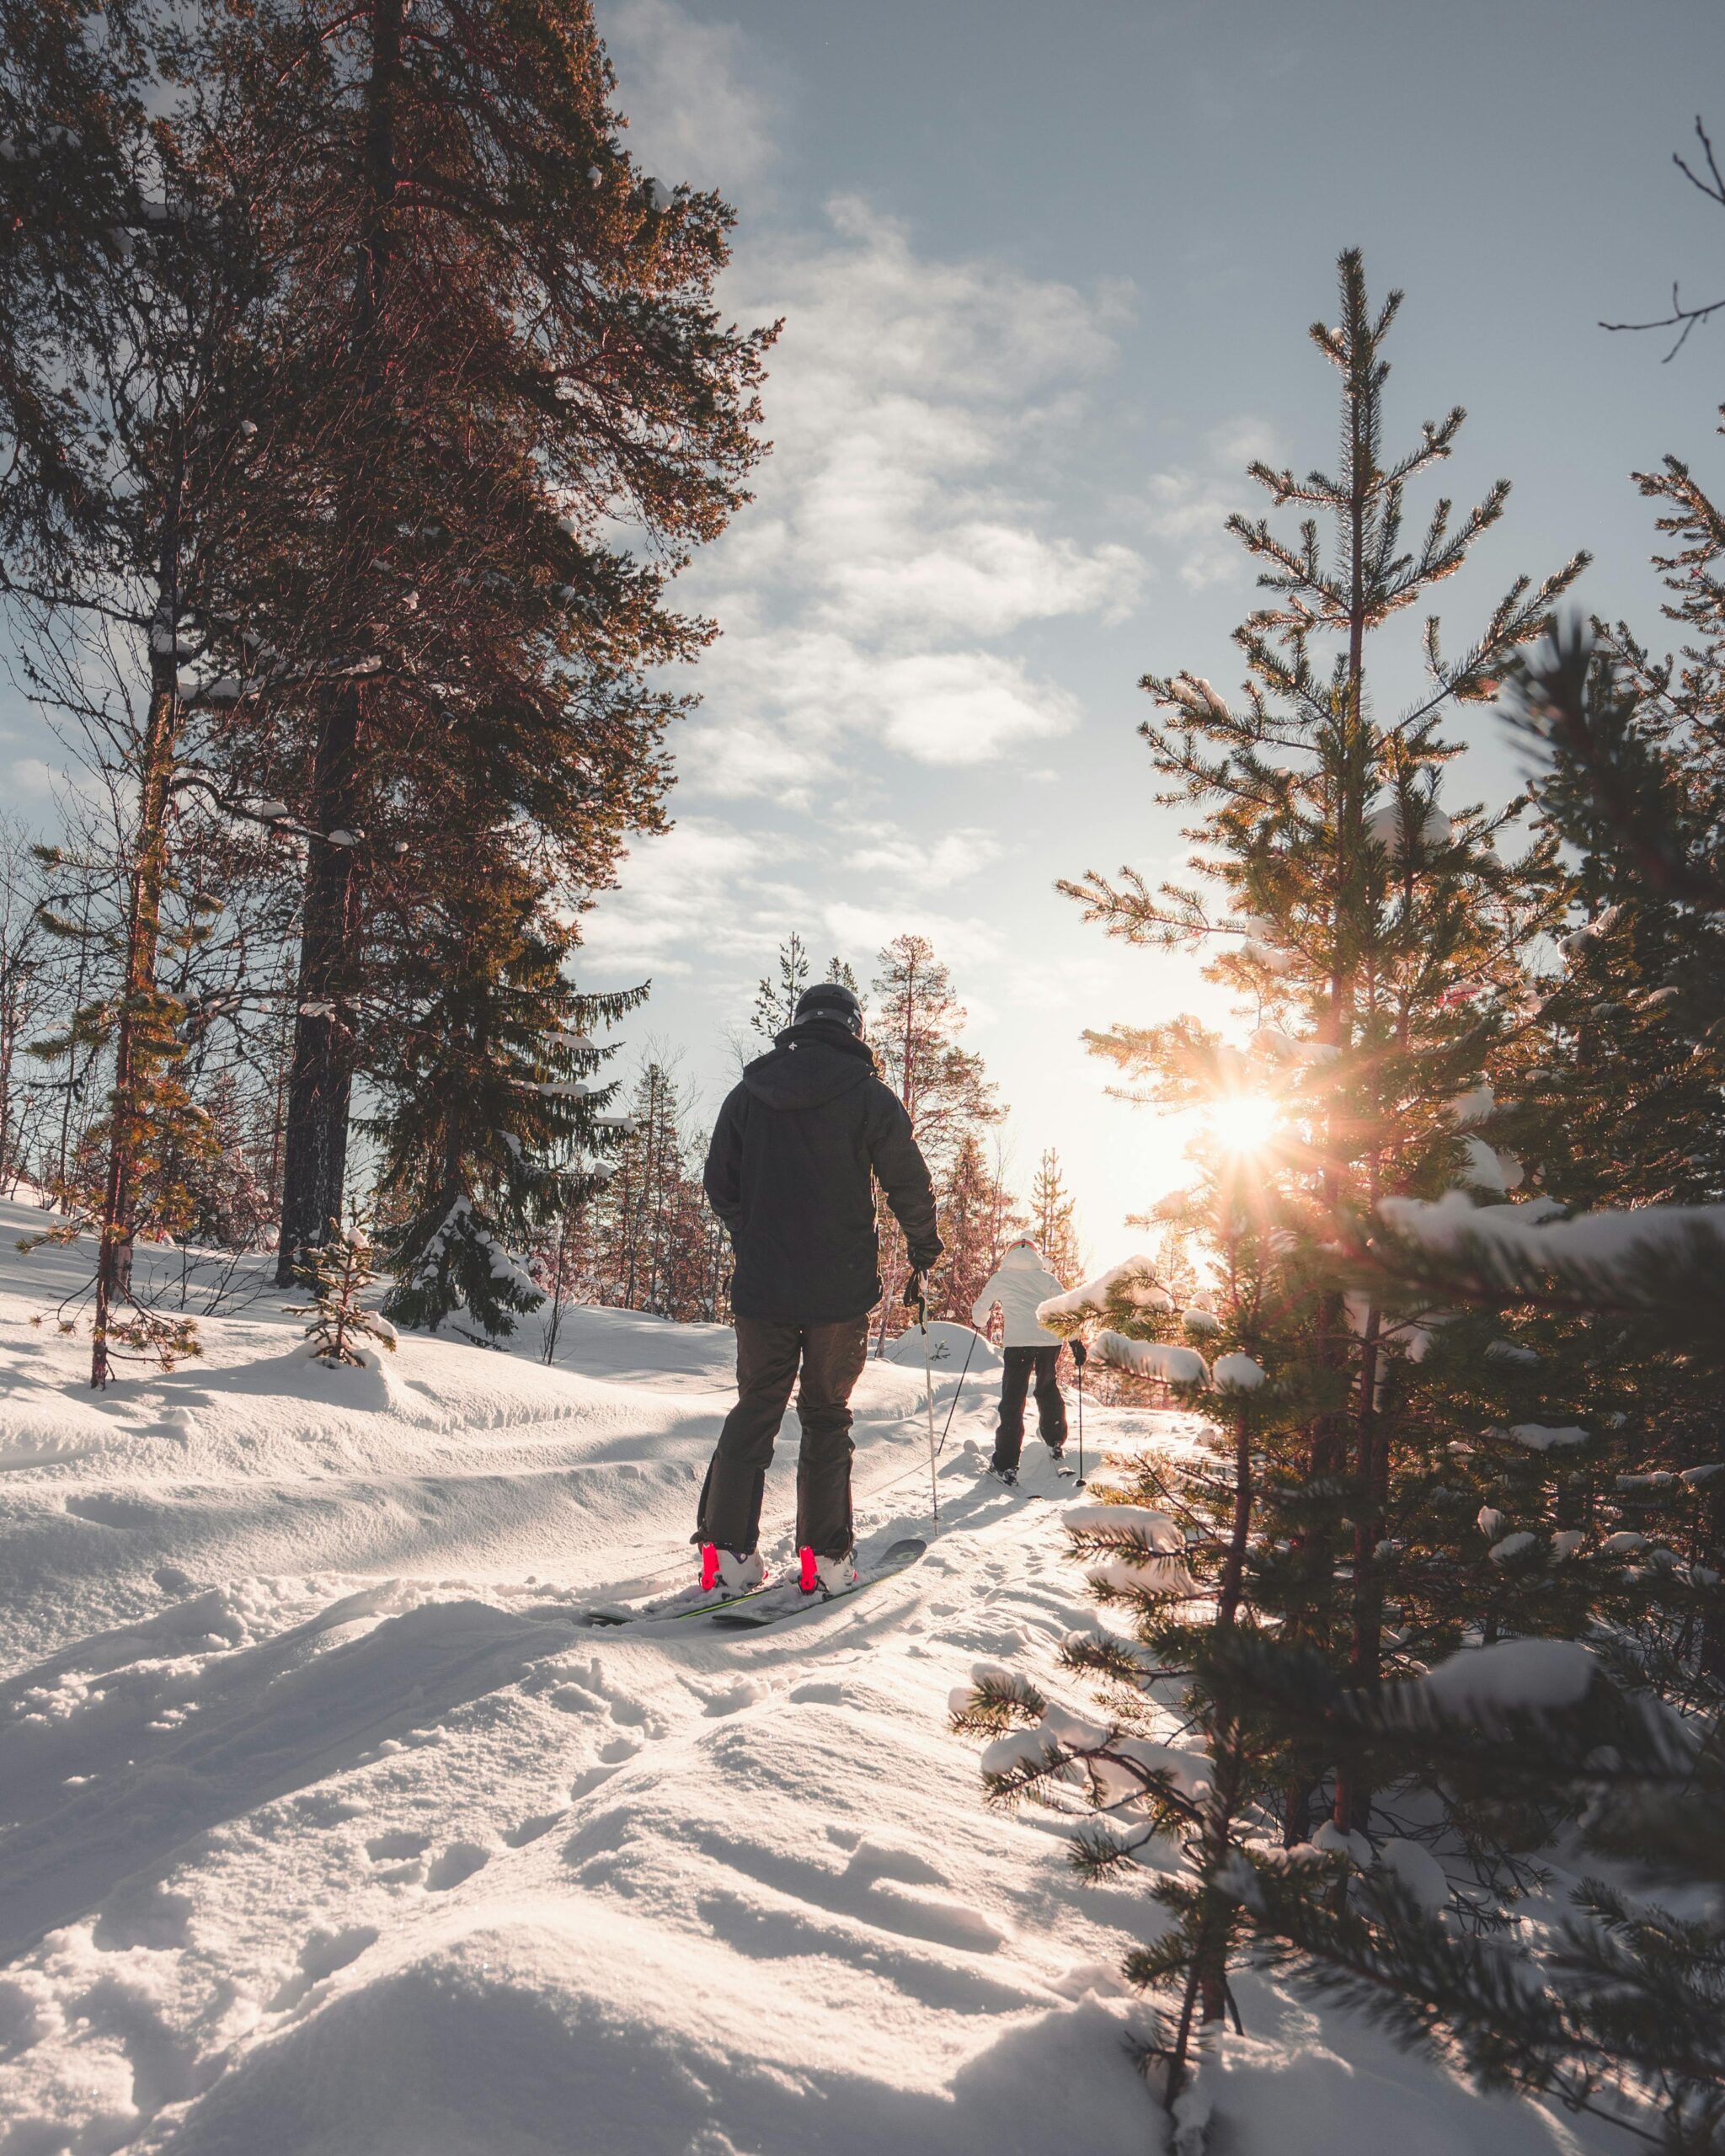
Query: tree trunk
point(143, 936)
point(1712, 1646)
point(1234, 1569)
point(320, 1081)
point(1353, 1802)
point(320, 1085)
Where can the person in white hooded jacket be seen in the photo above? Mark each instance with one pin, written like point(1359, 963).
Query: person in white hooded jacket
point(1022, 1282)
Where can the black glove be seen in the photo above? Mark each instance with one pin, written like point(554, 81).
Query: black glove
point(913, 1291)
point(927, 1258)
point(1080, 1353)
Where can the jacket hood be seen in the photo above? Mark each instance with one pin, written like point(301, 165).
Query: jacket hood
point(1024, 1253)
point(808, 1065)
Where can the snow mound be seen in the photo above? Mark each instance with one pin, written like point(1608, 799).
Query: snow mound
point(948, 1345)
point(498, 2039)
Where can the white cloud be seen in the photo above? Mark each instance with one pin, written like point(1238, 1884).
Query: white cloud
point(858, 932)
point(693, 113)
point(918, 410)
point(1185, 509)
point(965, 707)
point(923, 413)
point(914, 866)
point(31, 779)
point(679, 902)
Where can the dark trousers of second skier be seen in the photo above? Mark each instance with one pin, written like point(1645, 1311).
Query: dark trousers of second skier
point(1022, 1364)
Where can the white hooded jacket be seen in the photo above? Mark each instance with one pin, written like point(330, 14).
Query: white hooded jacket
point(1021, 1283)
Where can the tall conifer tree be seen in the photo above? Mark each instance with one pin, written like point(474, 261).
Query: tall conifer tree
point(507, 336)
point(134, 350)
point(1381, 959)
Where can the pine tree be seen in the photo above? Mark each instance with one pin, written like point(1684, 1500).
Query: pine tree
point(1385, 932)
point(1053, 1220)
point(967, 1201)
point(915, 1035)
point(137, 291)
point(341, 1269)
point(657, 1244)
point(1382, 963)
point(1006, 1218)
point(776, 1001)
point(505, 335)
point(839, 971)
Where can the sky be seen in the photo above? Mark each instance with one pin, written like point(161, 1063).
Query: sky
point(1045, 274)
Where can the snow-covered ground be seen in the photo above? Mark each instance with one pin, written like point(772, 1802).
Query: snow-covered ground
point(331, 1828)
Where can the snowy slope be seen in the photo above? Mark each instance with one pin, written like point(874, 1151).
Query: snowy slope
point(329, 1828)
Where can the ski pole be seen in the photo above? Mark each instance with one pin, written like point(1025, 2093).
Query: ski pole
point(1081, 1355)
point(915, 1299)
point(946, 1427)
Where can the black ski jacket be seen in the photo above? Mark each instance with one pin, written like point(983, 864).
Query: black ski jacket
point(789, 1173)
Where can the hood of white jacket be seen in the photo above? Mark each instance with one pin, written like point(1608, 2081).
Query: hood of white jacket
point(1022, 1282)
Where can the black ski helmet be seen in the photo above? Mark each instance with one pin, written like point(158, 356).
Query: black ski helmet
point(830, 999)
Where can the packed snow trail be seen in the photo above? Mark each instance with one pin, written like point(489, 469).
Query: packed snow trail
point(329, 1829)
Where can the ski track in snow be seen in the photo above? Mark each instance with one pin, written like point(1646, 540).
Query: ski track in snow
point(329, 1828)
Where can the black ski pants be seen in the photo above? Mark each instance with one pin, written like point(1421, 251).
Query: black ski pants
point(1051, 1407)
point(769, 1355)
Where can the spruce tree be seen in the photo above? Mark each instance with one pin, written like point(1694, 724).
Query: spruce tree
point(1381, 967)
point(507, 347)
point(492, 1122)
point(492, 1126)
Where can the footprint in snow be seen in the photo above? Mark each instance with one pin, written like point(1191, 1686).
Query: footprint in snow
point(151, 1918)
point(103, 1511)
point(1086, 1979)
point(876, 1860)
point(324, 1953)
point(530, 1830)
point(394, 1846)
point(459, 1861)
point(619, 1749)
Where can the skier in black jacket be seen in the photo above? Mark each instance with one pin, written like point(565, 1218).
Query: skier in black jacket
point(789, 1173)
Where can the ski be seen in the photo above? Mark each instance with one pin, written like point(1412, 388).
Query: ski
point(603, 1619)
point(898, 1559)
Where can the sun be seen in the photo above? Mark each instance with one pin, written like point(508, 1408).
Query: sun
point(1241, 1123)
